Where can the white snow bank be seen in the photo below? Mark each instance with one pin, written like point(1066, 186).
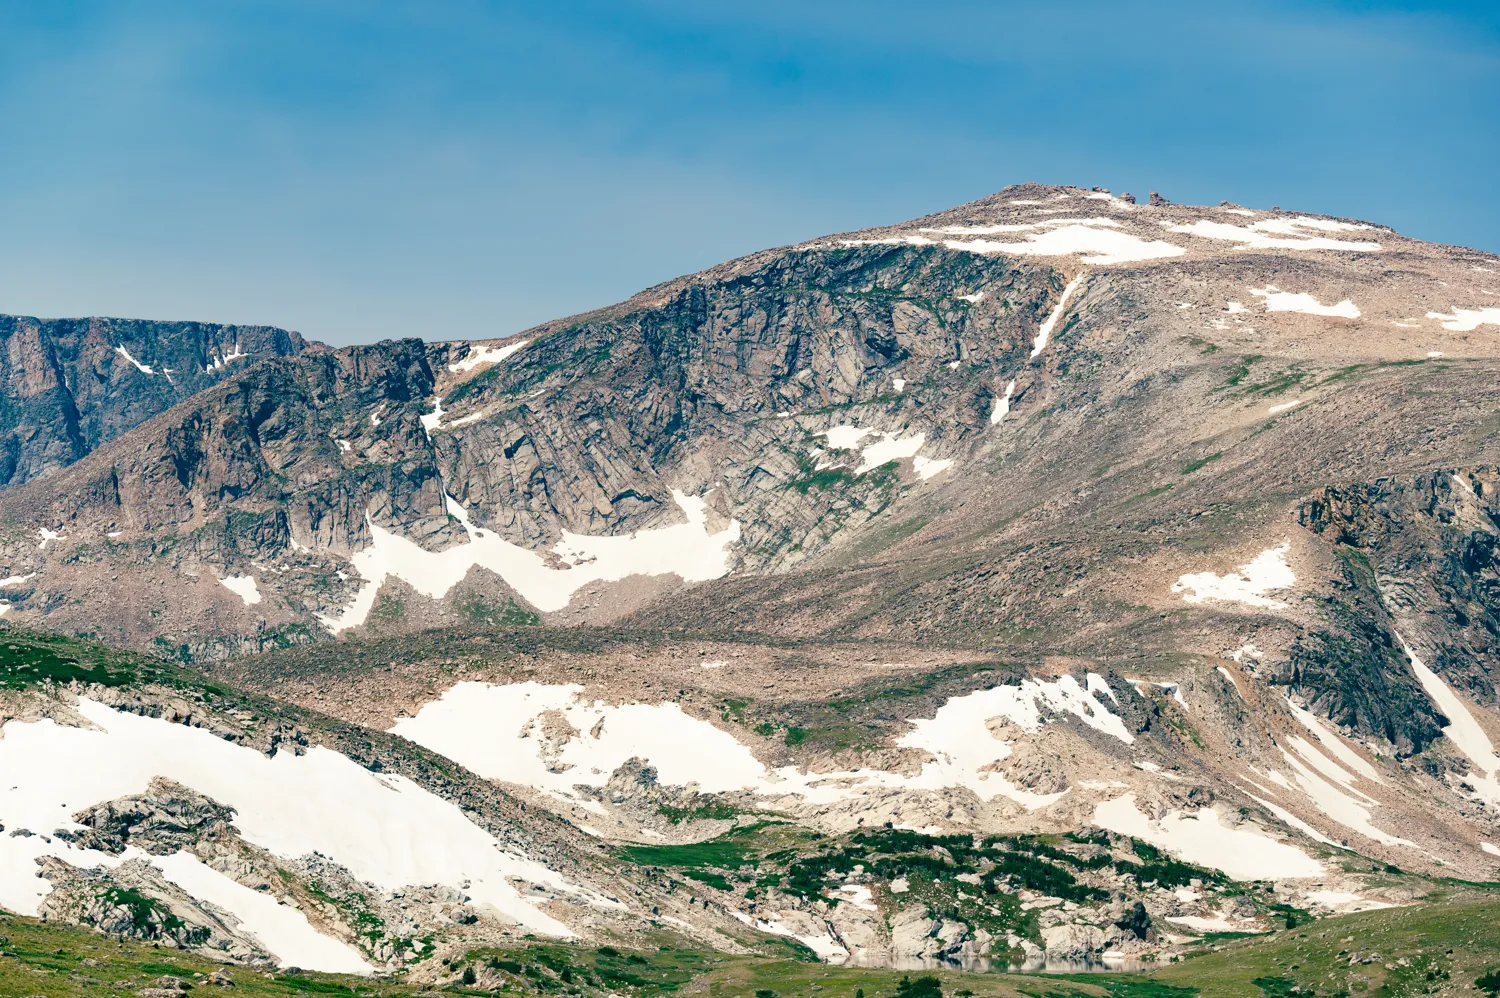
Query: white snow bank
point(46, 537)
point(242, 586)
point(549, 738)
point(927, 467)
point(1343, 902)
point(1283, 407)
point(1335, 744)
point(1465, 320)
point(1463, 730)
point(1198, 923)
point(1279, 233)
point(288, 804)
point(1269, 571)
point(1289, 819)
point(1045, 333)
point(858, 895)
point(434, 419)
point(973, 299)
point(687, 550)
point(1203, 839)
point(283, 931)
point(488, 354)
point(1002, 404)
point(16, 580)
point(885, 448)
point(1343, 808)
point(143, 368)
point(1284, 301)
point(1093, 240)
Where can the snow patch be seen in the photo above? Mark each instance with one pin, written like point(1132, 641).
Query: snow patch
point(490, 354)
point(550, 738)
point(242, 586)
point(687, 550)
point(973, 299)
point(47, 537)
point(1203, 839)
point(143, 368)
point(283, 931)
point(1045, 333)
point(1283, 407)
point(288, 804)
point(1279, 233)
point(1268, 572)
point(1465, 320)
point(1002, 404)
point(17, 580)
point(1463, 730)
point(1284, 301)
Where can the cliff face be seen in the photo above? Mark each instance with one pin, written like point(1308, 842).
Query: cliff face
point(69, 385)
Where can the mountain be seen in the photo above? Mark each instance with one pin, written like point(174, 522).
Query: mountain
point(1052, 577)
point(69, 385)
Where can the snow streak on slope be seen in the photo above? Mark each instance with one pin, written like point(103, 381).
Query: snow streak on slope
point(288, 804)
point(687, 550)
point(143, 368)
point(1202, 838)
point(1045, 333)
point(1269, 571)
point(550, 738)
point(1463, 730)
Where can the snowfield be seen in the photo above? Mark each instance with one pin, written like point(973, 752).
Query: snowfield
point(1202, 838)
point(687, 550)
point(551, 738)
point(1285, 301)
point(288, 804)
point(1267, 573)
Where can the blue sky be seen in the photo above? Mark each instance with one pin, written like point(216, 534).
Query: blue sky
point(361, 170)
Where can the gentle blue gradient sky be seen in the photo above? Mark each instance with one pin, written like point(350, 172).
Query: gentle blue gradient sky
point(359, 169)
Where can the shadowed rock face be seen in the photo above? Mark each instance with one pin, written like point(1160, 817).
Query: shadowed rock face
point(69, 385)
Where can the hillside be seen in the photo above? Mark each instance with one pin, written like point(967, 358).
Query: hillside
point(1052, 582)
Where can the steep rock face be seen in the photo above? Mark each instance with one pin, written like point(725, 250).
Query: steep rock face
point(69, 385)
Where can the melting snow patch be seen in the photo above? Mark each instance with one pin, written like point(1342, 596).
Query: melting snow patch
point(47, 537)
point(486, 355)
point(1490, 848)
point(899, 384)
point(1235, 308)
point(1202, 838)
point(1290, 820)
point(282, 930)
point(548, 738)
point(687, 550)
point(434, 419)
point(375, 415)
point(17, 580)
point(858, 895)
point(1283, 407)
point(1333, 743)
point(143, 368)
point(1002, 404)
point(1045, 333)
point(1279, 233)
point(927, 467)
point(1462, 730)
point(973, 299)
point(1464, 320)
point(885, 448)
point(288, 804)
point(1269, 571)
point(1092, 240)
point(242, 586)
point(1284, 301)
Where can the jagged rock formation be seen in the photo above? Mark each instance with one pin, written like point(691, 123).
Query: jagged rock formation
point(68, 386)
